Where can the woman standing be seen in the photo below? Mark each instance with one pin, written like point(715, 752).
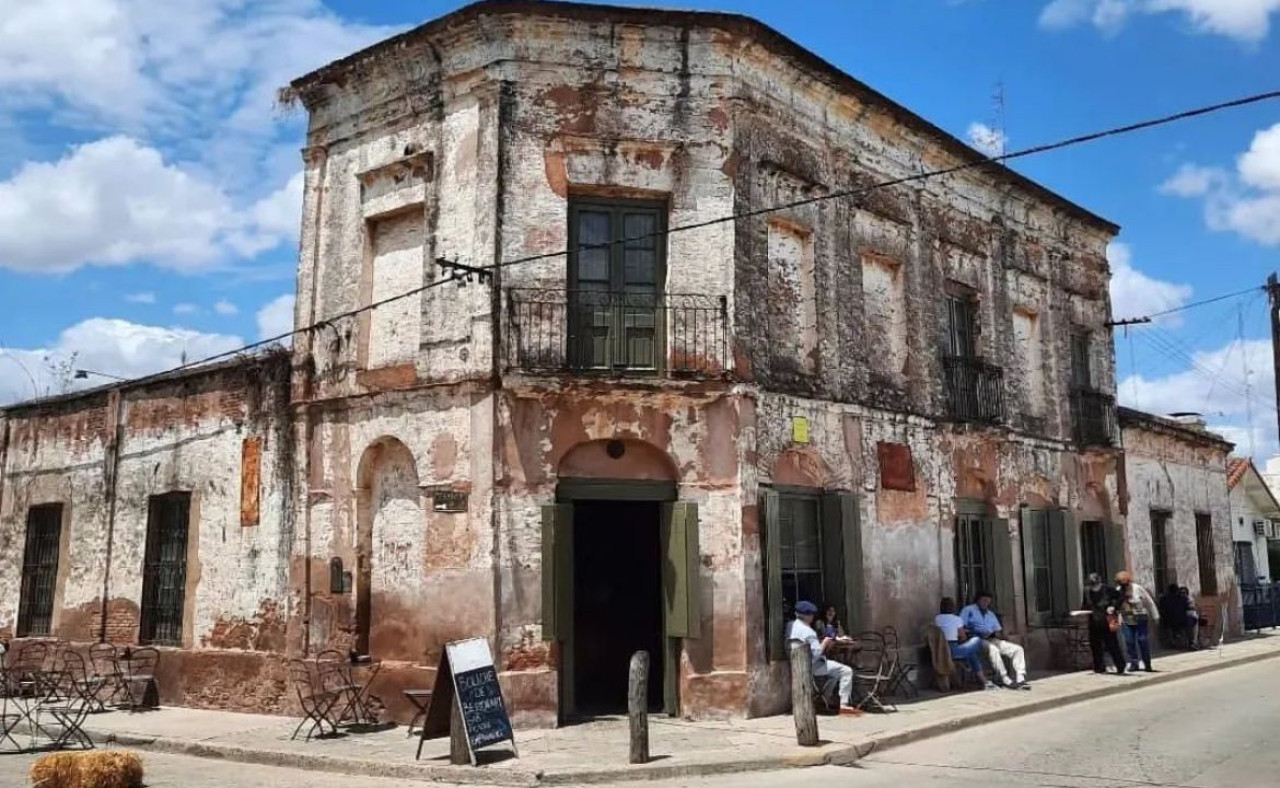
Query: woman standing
point(1101, 601)
point(1137, 610)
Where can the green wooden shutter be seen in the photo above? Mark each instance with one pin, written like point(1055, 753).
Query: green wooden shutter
point(1033, 524)
point(855, 590)
point(680, 570)
point(1001, 566)
point(557, 571)
point(1116, 559)
point(1074, 579)
point(774, 615)
point(1064, 560)
point(834, 570)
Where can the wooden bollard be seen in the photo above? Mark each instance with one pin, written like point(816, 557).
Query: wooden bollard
point(638, 706)
point(459, 751)
point(802, 696)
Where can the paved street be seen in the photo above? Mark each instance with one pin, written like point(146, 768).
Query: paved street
point(1213, 731)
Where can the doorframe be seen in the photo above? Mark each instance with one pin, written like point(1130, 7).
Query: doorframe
point(574, 490)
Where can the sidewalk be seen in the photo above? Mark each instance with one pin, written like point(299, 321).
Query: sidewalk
point(597, 752)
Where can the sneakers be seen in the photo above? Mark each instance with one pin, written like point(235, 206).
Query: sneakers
point(1009, 683)
point(850, 711)
point(990, 686)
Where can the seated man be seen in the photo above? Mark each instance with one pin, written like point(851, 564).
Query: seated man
point(963, 646)
point(802, 629)
point(982, 621)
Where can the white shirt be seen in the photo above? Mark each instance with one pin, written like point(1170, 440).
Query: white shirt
point(798, 630)
point(950, 624)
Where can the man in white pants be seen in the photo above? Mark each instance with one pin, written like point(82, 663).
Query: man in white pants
point(801, 629)
point(980, 620)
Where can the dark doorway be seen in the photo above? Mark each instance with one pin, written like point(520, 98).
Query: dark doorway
point(617, 602)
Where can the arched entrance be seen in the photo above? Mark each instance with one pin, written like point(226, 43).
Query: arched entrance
point(390, 533)
point(623, 558)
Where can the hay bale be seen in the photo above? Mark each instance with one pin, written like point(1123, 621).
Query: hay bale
point(96, 769)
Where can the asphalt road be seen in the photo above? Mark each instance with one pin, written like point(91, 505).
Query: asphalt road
point(1216, 731)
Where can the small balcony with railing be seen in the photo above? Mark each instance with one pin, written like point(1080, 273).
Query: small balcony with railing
point(1093, 418)
point(608, 333)
point(975, 390)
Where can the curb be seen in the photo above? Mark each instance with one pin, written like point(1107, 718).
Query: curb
point(834, 754)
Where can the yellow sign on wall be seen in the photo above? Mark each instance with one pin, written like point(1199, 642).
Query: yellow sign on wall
point(799, 429)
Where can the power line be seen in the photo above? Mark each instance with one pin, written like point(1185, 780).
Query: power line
point(1192, 305)
point(839, 194)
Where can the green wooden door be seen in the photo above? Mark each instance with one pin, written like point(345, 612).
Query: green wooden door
point(681, 592)
point(557, 595)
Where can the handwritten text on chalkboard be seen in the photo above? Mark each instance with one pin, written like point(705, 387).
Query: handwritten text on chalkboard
point(483, 712)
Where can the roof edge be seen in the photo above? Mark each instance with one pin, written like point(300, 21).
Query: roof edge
point(1142, 419)
point(766, 34)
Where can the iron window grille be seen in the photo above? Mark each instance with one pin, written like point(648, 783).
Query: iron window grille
point(39, 570)
point(164, 573)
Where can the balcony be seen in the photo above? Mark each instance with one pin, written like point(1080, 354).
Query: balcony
point(975, 390)
point(1093, 417)
point(612, 333)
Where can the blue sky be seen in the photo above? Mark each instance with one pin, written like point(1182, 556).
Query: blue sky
point(149, 189)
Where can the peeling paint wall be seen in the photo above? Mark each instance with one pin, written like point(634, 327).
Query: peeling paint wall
point(185, 434)
point(1182, 471)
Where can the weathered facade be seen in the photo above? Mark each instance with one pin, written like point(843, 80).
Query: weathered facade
point(1255, 520)
point(1179, 520)
point(664, 436)
point(175, 492)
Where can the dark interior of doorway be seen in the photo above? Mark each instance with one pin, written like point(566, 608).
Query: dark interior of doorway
point(617, 602)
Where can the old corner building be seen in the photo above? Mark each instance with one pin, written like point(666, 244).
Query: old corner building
point(659, 441)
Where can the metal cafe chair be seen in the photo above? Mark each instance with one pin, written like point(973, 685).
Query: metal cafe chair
point(872, 672)
point(317, 705)
point(335, 678)
point(69, 699)
point(141, 672)
point(900, 681)
point(105, 667)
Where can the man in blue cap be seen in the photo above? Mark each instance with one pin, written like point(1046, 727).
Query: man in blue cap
point(802, 629)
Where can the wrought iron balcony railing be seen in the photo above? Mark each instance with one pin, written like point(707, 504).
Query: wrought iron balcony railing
point(603, 332)
point(975, 390)
point(1093, 418)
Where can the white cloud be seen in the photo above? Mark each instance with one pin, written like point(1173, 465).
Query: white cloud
point(1246, 202)
point(1244, 20)
point(225, 307)
point(185, 309)
point(117, 201)
point(1215, 386)
point(276, 317)
point(1134, 294)
point(145, 64)
point(141, 298)
point(274, 218)
point(991, 142)
point(114, 347)
point(1193, 181)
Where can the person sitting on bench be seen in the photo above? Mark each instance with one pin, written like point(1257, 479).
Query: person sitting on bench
point(963, 646)
point(982, 621)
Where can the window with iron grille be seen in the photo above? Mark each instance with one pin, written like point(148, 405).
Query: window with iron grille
point(1159, 548)
point(973, 556)
point(800, 524)
point(39, 570)
point(164, 571)
point(1093, 548)
point(1205, 554)
point(1081, 372)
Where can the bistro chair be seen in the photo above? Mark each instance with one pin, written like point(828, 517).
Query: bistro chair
point(316, 704)
point(69, 701)
point(105, 666)
point(900, 682)
point(335, 678)
point(141, 672)
point(872, 672)
point(24, 673)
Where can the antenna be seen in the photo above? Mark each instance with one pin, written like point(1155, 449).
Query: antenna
point(1248, 380)
point(997, 116)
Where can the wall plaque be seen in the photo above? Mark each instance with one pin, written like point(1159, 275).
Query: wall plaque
point(448, 501)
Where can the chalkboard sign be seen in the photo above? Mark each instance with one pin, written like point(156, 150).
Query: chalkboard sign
point(467, 673)
point(475, 680)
